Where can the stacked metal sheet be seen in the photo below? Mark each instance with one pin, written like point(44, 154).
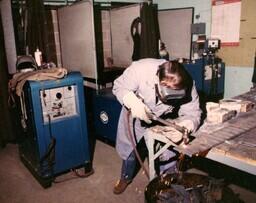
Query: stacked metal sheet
point(211, 135)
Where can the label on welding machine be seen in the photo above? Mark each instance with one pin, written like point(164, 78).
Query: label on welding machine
point(104, 117)
point(58, 102)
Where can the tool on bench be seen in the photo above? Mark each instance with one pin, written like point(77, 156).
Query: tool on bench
point(183, 130)
point(154, 117)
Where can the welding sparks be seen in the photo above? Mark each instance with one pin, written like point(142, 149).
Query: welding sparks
point(183, 145)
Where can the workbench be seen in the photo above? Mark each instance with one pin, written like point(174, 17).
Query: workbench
point(231, 143)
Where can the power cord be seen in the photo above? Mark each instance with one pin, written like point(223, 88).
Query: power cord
point(134, 145)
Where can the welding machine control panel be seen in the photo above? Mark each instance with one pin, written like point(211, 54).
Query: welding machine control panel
point(58, 102)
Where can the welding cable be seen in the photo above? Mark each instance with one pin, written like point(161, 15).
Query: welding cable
point(131, 137)
point(49, 156)
point(84, 175)
point(24, 116)
point(11, 100)
point(75, 174)
point(61, 180)
point(136, 37)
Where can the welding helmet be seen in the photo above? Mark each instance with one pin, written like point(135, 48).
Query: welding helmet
point(26, 63)
point(168, 94)
point(172, 85)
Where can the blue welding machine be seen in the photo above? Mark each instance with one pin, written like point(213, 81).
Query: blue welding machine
point(106, 111)
point(56, 137)
point(201, 73)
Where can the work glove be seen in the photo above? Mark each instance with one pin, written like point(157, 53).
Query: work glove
point(188, 124)
point(138, 108)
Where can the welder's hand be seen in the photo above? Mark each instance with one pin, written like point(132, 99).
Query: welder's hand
point(138, 108)
point(188, 124)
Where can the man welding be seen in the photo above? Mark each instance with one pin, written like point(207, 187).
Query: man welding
point(152, 86)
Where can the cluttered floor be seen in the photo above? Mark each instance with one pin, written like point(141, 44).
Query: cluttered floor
point(18, 185)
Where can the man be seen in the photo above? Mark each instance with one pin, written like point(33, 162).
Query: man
point(152, 86)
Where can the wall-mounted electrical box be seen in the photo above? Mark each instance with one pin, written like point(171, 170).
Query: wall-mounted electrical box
point(209, 78)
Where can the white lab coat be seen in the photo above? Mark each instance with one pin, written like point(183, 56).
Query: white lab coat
point(140, 77)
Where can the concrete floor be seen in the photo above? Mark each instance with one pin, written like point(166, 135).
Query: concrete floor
point(17, 185)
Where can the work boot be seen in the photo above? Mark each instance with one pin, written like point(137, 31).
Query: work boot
point(120, 186)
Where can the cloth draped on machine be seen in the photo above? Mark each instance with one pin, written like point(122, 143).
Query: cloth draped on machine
point(19, 79)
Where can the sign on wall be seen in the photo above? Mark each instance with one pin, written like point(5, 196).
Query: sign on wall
point(226, 21)
point(243, 55)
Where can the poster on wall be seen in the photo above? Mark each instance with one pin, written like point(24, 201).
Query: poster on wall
point(226, 21)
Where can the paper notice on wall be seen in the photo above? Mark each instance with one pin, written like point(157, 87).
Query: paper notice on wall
point(226, 21)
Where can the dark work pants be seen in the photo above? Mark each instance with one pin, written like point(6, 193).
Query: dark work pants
point(128, 167)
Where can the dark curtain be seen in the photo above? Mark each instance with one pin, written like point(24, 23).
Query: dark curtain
point(36, 33)
point(136, 38)
point(18, 11)
point(34, 29)
point(6, 133)
point(51, 46)
point(149, 31)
